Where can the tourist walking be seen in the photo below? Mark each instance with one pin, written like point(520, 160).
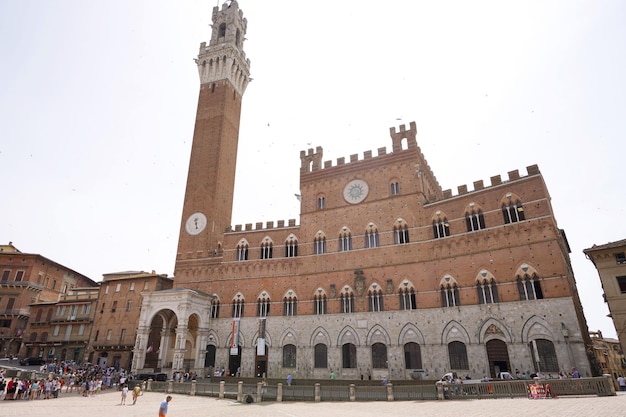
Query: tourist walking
point(164, 405)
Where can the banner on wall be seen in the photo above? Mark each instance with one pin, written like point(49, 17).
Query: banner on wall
point(234, 344)
point(260, 343)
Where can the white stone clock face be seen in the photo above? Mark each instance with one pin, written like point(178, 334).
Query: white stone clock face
point(355, 191)
point(195, 224)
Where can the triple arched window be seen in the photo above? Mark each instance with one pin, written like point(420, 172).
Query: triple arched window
point(512, 209)
point(371, 236)
point(449, 292)
point(345, 240)
point(400, 232)
point(291, 247)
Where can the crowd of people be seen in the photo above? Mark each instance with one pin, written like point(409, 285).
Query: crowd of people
point(86, 380)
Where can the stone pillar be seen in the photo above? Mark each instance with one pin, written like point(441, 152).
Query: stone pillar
point(222, 388)
point(240, 391)
point(279, 392)
point(139, 351)
point(193, 387)
point(179, 348)
point(259, 391)
point(318, 391)
point(164, 347)
point(201, 342)
point(352, 393)
point(170, 386)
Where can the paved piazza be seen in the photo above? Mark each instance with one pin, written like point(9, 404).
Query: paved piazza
point(107, 405)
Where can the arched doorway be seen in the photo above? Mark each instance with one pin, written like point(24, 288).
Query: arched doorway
point(498, 357)
point(209, 356)
point(161, 340)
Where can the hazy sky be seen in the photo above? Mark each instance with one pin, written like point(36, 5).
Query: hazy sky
point(98, 100)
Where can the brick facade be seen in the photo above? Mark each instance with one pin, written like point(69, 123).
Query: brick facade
point(384, 265)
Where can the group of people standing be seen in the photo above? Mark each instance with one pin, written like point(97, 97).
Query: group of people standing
point(26, 389)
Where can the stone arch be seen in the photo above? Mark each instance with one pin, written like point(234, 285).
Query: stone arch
point(320, 335)
point(524, 269)
point(213, 338)
point(348, 335)
point(410, 333)
point(537, 328)
point(229, 340)
point(377, 334)
point(454, 331)
point(494, 329)
point(255, 339)
point(288, 337)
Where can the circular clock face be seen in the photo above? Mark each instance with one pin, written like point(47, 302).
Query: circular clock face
point(196, 223)
point(355, 191)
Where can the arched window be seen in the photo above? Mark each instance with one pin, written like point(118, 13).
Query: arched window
point(263, 305)
point(321, 203)
point(395, 188)
point(290, 304)
point(238, 305)
point(215, 307)
point(529, 287)
point(449, 292)
point(379, 356)
point(320, 356)
point(345, 240)
point(412, 356)
point(319, 243)
point(222, 31)
point(291, 247)
point(400, 232)
point(375, 298)
point(242, 250)
point(487, 288)
point(320, 302)
point(441, 228)
point(371, 236)
point(457, 353)
point(347, 300)
point(544, 356)
point(289, 356)
point(512, 209)
point(407, 296)
point(348, 356)
point(266, 248)
point(474, 219)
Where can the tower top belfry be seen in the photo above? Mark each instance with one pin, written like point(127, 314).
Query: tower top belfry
point(224, 57)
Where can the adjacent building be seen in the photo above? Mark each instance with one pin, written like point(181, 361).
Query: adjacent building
point(28, 279)
point(385, 274)
point(117, 313)
point(609, 355)
point(610, 261)
point(60, 330)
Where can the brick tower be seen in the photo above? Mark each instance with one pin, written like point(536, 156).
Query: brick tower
point(224, 74)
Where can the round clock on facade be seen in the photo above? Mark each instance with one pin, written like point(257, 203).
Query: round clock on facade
point(196, 223)
point(355, 191)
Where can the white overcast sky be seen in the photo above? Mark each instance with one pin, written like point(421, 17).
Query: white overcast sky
point(98, 100)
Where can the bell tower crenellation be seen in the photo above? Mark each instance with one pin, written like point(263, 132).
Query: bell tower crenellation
point(224, 58)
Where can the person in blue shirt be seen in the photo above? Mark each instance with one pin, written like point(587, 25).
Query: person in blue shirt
point(163, 406)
